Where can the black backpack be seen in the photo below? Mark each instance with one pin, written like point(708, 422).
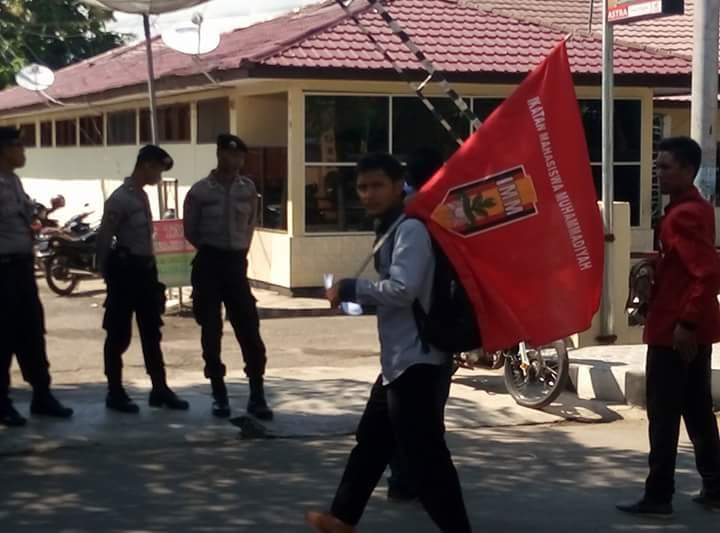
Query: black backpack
point(451, 324)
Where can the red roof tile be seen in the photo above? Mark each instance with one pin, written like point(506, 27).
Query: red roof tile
point(459, 39)
point(464, 39)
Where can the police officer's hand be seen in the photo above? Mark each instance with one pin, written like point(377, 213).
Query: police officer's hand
point(333, 296)
point(685, 342)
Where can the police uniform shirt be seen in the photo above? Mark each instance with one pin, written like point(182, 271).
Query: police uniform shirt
point(15, 217)
point(221, 217)
point(127, 217)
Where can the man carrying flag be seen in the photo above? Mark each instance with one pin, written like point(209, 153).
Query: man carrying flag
point(534, 200)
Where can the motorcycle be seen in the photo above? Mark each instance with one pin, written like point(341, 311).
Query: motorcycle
point(534, 376)
point(71, 255)
point(43, 226)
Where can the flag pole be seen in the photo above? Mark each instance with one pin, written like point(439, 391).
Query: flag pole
point(607, 309)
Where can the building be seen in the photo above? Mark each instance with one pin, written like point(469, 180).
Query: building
point(310, 94)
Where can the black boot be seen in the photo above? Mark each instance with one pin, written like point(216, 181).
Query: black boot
point(257, 405)
point(118, 400)
point(9, 416)
point(221, 404)
point(44, 403)
point(164, 397)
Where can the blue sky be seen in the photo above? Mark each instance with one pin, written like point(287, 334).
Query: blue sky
point(223, 14)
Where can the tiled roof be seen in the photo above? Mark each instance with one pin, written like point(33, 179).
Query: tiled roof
point(670, 34)
point(490, 38)
point(465, 39)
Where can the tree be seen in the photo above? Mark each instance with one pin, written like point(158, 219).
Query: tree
point(55, 33)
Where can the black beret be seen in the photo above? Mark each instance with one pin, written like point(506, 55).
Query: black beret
point(155, 154)
point(9, 136)
point(227, 141)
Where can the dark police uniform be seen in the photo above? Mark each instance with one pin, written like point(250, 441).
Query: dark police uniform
point(220, 222)
point(22, 319)
point(131, 275)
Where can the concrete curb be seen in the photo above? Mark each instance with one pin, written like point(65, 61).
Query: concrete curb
point(613, 383)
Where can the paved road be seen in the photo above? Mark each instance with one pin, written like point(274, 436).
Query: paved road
point(75, 340)
point(557, 478)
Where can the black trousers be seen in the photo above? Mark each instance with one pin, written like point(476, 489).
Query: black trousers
point(22, 325)
point(220, 277)
point(677, 390)
point(407, 415)
point(401, 477)
point(133, 287)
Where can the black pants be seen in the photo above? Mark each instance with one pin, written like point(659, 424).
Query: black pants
point(401, 478)
point(133, 287)
point(677, 390)
point(22, 325)
point(407, 415)
point(220, 277)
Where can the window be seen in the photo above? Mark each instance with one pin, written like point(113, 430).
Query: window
point(213, 118)
point(414, 126)
point(483, 107)
point(122, 128)
point(341, 129)
point(46, 134)
point(628, 151)
point(92, 131)
point(331, 200)
point(27, 132)
point(66, 132)
point(173, 124)
point(267, 166)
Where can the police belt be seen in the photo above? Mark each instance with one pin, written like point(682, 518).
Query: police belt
point(122, 255)
point(220, 253)
point(8, 259)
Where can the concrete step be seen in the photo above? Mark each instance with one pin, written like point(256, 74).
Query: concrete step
point(616, 374)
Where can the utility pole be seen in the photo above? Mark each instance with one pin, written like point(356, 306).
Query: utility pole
point(705, 91)
point(607, 308)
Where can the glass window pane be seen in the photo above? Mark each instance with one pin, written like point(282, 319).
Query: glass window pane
point(268, 167)
point(414, 126)
point(27, 132)
point(342, 129)
point(627, 188)
point(91, 131)
point(46, 136)
point(483, 107)
point(173, 124)
point(628, 129)
point(331, 202)
point(213, 119)
point(66, 132)
point(122, 128)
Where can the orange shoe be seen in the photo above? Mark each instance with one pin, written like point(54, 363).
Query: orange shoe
point(326, 523)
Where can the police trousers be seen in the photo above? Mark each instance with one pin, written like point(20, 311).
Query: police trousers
point(133, 287)
point(220, 277)
point(22, 324)
point(677, 390)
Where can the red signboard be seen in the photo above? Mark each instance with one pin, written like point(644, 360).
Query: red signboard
point(622, 11)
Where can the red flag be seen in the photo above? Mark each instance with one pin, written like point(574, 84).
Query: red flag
point(515, 210)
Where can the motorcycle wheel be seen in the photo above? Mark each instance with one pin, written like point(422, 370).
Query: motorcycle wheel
point(60, 281)
point(539, 384)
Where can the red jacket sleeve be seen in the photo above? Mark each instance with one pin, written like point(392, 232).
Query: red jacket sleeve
point(690, 240)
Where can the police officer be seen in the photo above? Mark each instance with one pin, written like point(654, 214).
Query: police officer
point(22, 319)
point(126, 259)
point(219, 215)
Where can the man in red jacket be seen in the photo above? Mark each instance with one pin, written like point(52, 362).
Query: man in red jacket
point(682, 324)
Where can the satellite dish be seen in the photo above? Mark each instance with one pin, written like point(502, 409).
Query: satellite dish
point(192, 39)
point(35, 77)
point(144, 7)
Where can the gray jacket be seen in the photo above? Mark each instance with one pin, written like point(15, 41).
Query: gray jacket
point(15, 217)
point(406, 266)
point(221, 217)
point(128, 218)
